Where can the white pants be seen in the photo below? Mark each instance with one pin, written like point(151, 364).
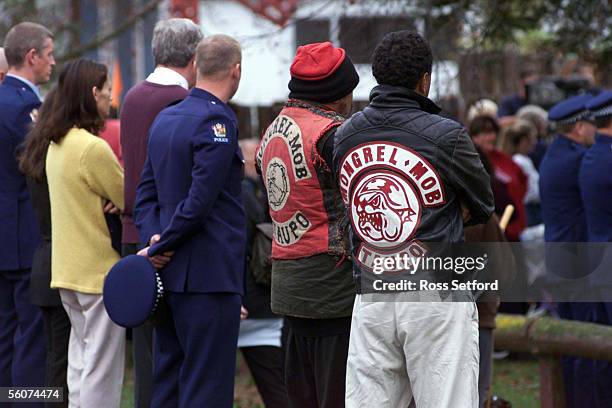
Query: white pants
point(422, 350)
point(96, 352)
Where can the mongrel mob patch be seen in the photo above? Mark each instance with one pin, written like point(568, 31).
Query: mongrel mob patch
point(385, 185)
point(276, 177)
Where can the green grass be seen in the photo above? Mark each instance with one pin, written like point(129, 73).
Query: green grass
point(516, 380)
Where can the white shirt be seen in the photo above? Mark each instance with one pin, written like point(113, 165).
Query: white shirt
point(167, 76)
point(533, 178)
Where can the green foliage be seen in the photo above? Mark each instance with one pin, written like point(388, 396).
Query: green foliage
point(570, 26)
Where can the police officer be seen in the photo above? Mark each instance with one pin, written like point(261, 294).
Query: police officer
point(189, 206)
point(29, 53)
point(596, 189)
point(565, 223)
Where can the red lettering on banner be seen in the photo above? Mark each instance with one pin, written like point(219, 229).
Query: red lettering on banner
point(392, 159)
point(433, 196)
point(356, 160)
point(367, 154)
point(380, 153)
point(428, 183)
point(418, 170)
point(348, 168)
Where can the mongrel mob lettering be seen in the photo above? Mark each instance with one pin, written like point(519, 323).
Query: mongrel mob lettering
point(384, 210)
point(286, 128)
point(397, 157)
point(290, 231)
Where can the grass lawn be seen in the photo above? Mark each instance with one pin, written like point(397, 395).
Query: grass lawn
point(515, 379)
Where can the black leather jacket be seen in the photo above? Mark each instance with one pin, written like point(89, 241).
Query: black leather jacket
point(404, 173)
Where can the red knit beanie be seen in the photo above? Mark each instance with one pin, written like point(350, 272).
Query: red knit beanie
point(321, 72)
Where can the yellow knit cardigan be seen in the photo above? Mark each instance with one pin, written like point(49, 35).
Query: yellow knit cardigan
point(82, 173)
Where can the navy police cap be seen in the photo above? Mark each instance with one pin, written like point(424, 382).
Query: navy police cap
point(601, 105)
point(132, 291)
point(570, 110)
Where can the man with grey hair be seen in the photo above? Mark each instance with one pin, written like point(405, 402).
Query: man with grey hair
point(189, 207)
point(174, 45)
point(3, 65)
point(29, 52)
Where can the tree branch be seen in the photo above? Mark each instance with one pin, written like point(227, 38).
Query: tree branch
point(140, 13)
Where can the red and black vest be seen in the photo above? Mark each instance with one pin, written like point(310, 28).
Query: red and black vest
point(305, 204)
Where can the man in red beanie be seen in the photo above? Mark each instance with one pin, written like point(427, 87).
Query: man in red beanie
point(311, 275)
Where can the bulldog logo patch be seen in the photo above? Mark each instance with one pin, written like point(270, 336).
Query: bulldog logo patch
point(386, 186)
point(385, 209)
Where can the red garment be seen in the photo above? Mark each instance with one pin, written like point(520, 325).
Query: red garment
point(286, 156)
point(317, 61)
point(511, 175)
point(140, 106)
point(110, 133)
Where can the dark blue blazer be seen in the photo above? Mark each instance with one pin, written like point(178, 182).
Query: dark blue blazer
point(561, 200)
point(190, 192)
point(563, 211)
point(19, 235)
point(596, 188)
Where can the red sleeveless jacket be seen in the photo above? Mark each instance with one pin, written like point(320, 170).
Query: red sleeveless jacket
point(298, 183)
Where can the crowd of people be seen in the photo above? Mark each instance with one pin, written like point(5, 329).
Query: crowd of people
point(330, 192)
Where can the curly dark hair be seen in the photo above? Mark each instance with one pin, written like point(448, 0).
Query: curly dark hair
point(401, 59)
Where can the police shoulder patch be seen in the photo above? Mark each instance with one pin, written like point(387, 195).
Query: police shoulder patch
point(220, 132)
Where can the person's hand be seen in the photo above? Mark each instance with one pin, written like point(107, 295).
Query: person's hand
point(158, 261)
point(110, 208)
point(154, 239)
point(243, 313)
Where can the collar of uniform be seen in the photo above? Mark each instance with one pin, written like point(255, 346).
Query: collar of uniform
point(603, 138)
point(201, 93)
point(167, 76)
point(399, 96)
point(30, 85)
point(569, 142)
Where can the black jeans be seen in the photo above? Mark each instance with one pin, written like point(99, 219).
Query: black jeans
point(266, 366)
point(315, 362)
point(57, 333)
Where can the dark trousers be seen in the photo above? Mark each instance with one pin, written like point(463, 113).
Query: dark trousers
point(22, 340)
point(485, 346)
point(266, 366)
point(142, 352)
point(578, 373)
point(315, 370)
point(195, 351)
point(57, 333)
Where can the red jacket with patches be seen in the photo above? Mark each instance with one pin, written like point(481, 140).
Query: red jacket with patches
point(305, 205)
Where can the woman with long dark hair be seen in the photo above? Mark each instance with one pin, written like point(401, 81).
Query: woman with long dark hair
point(57, 325)
point(83, 174)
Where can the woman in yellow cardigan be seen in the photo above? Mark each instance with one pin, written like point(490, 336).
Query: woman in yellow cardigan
point(84, 177)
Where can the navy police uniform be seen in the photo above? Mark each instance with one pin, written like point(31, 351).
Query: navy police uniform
point(190, 192)
point(22, 347)
point(596, 188)
point(565, 224)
